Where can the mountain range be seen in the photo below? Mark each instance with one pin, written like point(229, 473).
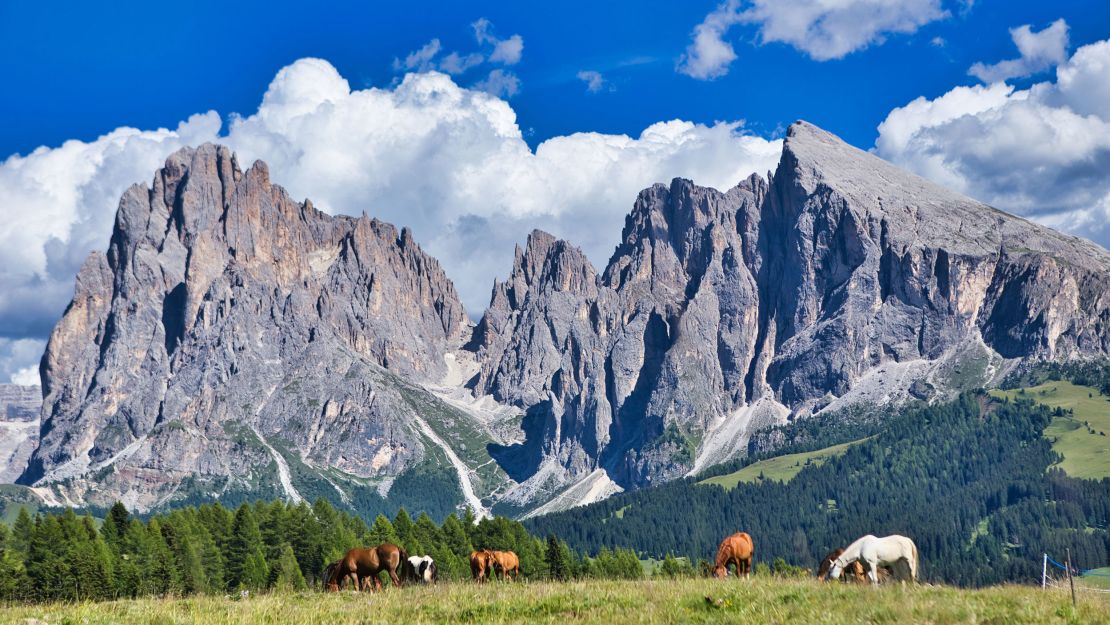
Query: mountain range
point(234, 342)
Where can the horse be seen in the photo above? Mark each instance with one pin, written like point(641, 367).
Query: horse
point(855, 568)
point(421, 569)
point(874, 552)
point(481, 564)
point(736, 549)
point(505, 563)
point(361, 567)
point(326, 578)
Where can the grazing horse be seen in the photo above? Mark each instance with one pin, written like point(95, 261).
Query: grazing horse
point(361, 567)
point(505, 563)
point(736, 549)
point(421, 569)
point(855, 569)
point(329, 584)
point(481, 564)
point(874, 552)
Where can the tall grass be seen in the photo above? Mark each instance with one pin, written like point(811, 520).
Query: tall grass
point(766, 600)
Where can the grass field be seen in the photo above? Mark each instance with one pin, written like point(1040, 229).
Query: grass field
point(766, 600)
point(780, 468)
point(1078, 439)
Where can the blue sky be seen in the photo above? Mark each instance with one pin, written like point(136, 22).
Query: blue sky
point(474, 122)
point(79, 70)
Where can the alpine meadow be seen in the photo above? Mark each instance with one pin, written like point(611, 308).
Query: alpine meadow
point(720, 311)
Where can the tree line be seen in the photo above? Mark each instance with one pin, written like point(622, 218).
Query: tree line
point(210, 549)
point(969, 480)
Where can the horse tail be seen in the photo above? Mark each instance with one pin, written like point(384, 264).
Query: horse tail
point(913, 567)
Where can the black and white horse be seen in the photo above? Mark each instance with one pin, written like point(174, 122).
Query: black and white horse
point(422, 569)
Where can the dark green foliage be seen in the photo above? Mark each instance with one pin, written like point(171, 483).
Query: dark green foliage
point(257, 547)
point(558, 559)
point(934, 474)
point(1095, 373)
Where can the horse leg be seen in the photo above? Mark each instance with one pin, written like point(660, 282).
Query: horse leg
point(393, 578)
point(873, 572)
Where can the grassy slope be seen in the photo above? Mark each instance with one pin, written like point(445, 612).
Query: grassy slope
point(1086, 454)
point(781, 468)
point(604, 602)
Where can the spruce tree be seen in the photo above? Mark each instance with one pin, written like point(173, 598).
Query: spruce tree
point(22, 530)
point(456, 538)
point(115, 525)
point(246, 558)
point(556, 557)
point(382, 531)
point(289, 575)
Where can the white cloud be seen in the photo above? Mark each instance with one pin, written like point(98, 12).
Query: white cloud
point(832, 29)
point(419, 60)
point(505, 51)
point(1043, 152)
point(449, 162)
point(709, 55)
point(499, 83)
point(501, 51)
point(1039, 51)
point(595, 82)
point(823, 29)
point(455, 63)
point(508, 51)
point(19, 360)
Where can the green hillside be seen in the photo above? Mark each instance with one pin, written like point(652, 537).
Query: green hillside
point(1083, 437)
point(779, 468)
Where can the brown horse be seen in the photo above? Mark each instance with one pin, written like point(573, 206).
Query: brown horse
point(360, 567)
point(481, 564)
point(855, 570)
point(505, 563)
point(736, 549)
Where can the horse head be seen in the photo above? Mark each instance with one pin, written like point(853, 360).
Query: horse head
point(720, 572)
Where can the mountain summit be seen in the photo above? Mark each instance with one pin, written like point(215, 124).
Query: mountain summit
point(235, 342)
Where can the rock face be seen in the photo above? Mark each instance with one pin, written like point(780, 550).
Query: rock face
point(840, 278)
point(232, 340)
point(229, 328)
point(19, 428)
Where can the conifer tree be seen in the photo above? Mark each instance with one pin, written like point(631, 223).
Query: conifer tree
point(21, 531)
point(289, 575)
point(382, 531)
point(246, 559)
point(556, 556)
point(458, 541)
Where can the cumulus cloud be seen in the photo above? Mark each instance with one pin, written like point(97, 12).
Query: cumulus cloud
point(823, 29)
point(505, 51)
point(19, 360)
point(595, 82)
point(709, 55)
point(419, 60)
point(1042, 152)
point(1039, 51)
point(832, 29)
point(499, 83)
point(448, 161)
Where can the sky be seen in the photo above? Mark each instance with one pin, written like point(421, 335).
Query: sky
point(475, 122)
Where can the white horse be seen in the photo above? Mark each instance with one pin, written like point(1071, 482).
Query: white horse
point(875, 552)
point(424, 569)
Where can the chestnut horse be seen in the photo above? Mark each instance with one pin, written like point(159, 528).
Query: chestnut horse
point(736, 549)
point(505, 563)
point(855, 570)
point(481, 564)
point(361, 567)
